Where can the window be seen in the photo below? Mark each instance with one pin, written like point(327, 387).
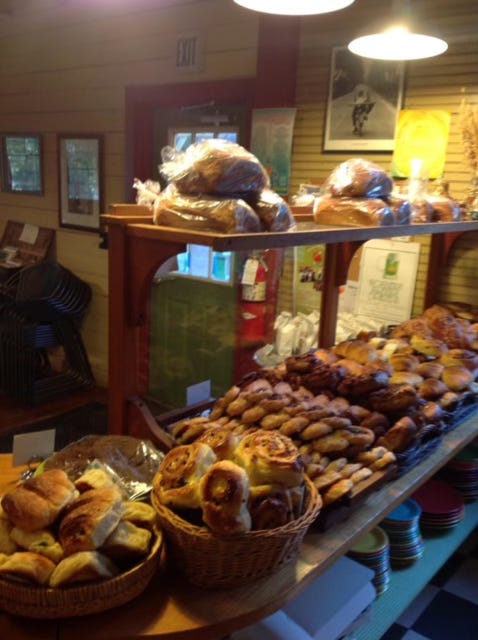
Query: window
point(198, 261)
point(21, 162)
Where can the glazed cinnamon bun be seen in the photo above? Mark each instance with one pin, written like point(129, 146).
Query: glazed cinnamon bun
point(176, 484)
point(270, 457)
point(222, 441)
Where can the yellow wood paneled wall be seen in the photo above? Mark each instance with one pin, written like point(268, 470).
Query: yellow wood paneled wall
point(64, 67)
point(436, 83)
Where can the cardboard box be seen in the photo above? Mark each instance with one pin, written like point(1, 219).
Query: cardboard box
point(23, 245)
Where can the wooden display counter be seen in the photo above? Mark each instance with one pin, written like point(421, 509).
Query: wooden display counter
point(170, 608)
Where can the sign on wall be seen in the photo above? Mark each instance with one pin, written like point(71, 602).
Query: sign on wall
point(271, 142)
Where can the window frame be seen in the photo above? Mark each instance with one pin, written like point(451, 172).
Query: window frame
point(5, 163)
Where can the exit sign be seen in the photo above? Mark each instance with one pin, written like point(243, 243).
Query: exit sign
point(188, 52)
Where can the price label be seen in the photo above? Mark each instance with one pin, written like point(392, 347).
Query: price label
point(250, 271)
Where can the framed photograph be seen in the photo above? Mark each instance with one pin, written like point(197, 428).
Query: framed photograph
point(21, 164)
point(80, 178)
point(364, 100)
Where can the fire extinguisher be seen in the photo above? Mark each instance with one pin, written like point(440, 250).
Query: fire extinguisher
point(253, 299)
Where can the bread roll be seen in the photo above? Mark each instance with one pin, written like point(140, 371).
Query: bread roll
point(95, 479)
point(37, 502)
point(269, 457)
point(7, 545)
point(177, 482)
point(352, 212)
point(90, 519)
point(221, 440)
point(460, 358)
point(25, 565)
point(431, 347)
point(224, 493)
point(83, 566)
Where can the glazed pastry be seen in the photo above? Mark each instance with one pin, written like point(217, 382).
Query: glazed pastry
point(224, 494)
point(393, 398)
point(399, 437)
point(90, 519)
point(82, 566)
point(177, 482)
point(270, 457)
point(270, 506)
point(221, 440)
point(29, 566)
point(37, 502)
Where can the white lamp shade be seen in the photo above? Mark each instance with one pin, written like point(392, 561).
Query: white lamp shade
point(295, 7)
point(398, 43)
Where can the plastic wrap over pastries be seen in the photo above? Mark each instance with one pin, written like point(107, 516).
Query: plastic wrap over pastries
point(354, 212)
point(204, 213)
point(214, 166)
point(358, 178)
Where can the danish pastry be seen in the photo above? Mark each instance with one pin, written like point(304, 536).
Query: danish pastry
point(177, 481)
point(270, 506)
point(224, 494)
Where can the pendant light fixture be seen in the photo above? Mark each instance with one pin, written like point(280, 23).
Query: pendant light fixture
point(401, 39)
point(295, 7)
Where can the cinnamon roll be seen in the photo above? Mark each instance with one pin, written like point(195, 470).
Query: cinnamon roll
point(222, 441)
point(176, 484)
point(269, 457)
point(224, 494)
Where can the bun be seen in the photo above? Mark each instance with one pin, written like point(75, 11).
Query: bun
point(395, 397)
point(406, 377)
point(177, 481)
point(357, 350)
point(269, 457)
point(399, 436)
point(37, 502)
point(83, 566)
point(221, 440)
point(90, 519)
point(460, 358)
point(95, 479)
point(430, 369)
point(28, 566)
point(140, 514)
point(457, 378)
point(224, 492)
point(270, 506)
point(404, 362)
point(430, 347)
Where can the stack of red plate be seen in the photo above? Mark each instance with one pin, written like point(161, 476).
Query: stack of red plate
point(443, 506)
point(462, 472)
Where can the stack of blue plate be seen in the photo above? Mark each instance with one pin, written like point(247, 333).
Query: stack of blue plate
point(372, 550)
point(403, 529)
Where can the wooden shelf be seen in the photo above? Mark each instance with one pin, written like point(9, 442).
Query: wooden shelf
point(306, 233)
point(171, 608)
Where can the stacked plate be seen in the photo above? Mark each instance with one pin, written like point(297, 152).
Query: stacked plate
point(462, 472)
point(403, 529)
point(442, 505)
point(373, 551)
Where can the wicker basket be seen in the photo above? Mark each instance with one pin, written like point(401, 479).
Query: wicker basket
point(208, 560)
point(80, 599)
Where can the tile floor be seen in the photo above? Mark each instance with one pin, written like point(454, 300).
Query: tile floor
point(447, 609)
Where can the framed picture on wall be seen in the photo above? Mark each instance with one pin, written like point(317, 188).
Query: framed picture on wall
point(21, 163)
point(80, 179)
point(363, 103)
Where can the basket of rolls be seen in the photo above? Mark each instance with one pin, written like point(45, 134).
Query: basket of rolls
point(72, 548)
point(233, 507)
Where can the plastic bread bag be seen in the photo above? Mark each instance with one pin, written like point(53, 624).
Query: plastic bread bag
point(134, 461)
point(273, 211)
point(204, 213)
point(146, 192)
point(214, 166)
point(353, 212)
point(402, 208)
point(445, 209)
point(358, 178)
